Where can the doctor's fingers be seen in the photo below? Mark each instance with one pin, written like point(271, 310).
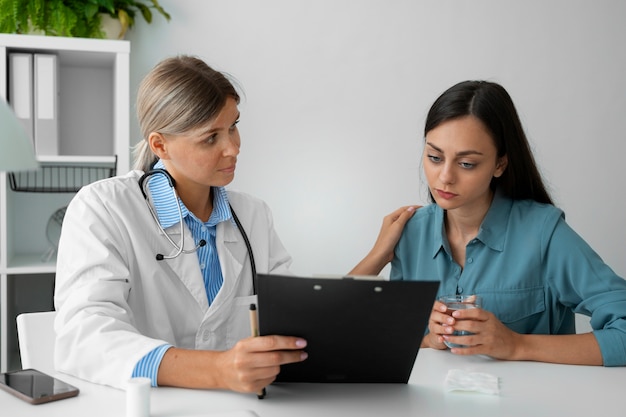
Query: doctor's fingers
point(250, 378)
point(400, 216)
point(274, 343)
point(404, 211)
point(272, 360)
point(269, 351)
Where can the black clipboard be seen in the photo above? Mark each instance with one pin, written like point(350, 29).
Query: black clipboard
point(358, 330)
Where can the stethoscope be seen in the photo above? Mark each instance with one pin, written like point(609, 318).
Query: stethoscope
point(180, 248)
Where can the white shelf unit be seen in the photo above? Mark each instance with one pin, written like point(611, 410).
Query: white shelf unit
point(93, 116)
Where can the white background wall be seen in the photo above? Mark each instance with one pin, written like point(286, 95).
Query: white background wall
point(336, 92)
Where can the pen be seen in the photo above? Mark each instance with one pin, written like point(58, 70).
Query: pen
point(254, 329)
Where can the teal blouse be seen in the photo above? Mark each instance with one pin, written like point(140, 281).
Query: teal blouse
point(531, 269)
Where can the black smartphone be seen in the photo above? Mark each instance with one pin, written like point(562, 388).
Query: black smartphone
point(36, 387)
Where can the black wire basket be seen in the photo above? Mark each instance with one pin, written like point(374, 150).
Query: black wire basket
point(61, 177)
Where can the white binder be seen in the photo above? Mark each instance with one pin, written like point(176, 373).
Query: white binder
point(46, 131)
point(21, 89)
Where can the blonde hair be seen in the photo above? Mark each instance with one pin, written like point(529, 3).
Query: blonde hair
point(178, 94)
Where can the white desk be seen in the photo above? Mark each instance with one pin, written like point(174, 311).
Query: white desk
point(526, 389)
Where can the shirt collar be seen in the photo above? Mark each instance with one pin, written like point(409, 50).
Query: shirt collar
point(439, 232)
point(492, 231)
point(166, 206)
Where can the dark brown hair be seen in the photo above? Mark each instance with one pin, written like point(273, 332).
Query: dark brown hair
point(491, 104)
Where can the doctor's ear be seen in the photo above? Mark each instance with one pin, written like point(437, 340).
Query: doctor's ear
point(158, 144)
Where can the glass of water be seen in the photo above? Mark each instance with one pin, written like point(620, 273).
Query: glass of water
point(460, 302)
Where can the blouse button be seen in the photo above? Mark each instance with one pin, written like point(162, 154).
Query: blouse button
point(470, 260)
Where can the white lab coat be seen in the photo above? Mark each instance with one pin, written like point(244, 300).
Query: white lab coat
point(115, 302)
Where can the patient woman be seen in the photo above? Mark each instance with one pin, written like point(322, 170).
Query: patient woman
point(494, 231)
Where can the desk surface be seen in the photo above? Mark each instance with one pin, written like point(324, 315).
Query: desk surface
point(526, 389)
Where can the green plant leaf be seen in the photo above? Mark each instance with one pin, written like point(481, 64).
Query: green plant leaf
point(125, 20)
point(91, 10)
point(78, 18)
point(156, 5)
point(145, 12)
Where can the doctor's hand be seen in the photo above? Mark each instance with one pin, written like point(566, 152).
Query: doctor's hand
point(382, 252)
point(249, 366)
point(253, 363)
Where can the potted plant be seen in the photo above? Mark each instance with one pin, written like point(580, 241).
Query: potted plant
point(126, 10)
point(73, 18)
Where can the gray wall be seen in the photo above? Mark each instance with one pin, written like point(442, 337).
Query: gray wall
point(336, 92)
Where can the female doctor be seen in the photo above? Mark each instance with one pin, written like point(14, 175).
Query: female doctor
point(155, 280)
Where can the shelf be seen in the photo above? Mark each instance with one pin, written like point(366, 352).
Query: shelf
point(93, 144)
point(63, 174)
point(30, 264)
point(76, 160)
point(83, 47)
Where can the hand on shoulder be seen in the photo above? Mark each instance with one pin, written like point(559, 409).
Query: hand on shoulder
point(390, 232)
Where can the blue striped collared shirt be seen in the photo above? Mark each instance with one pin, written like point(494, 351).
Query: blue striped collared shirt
point(167, 212)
